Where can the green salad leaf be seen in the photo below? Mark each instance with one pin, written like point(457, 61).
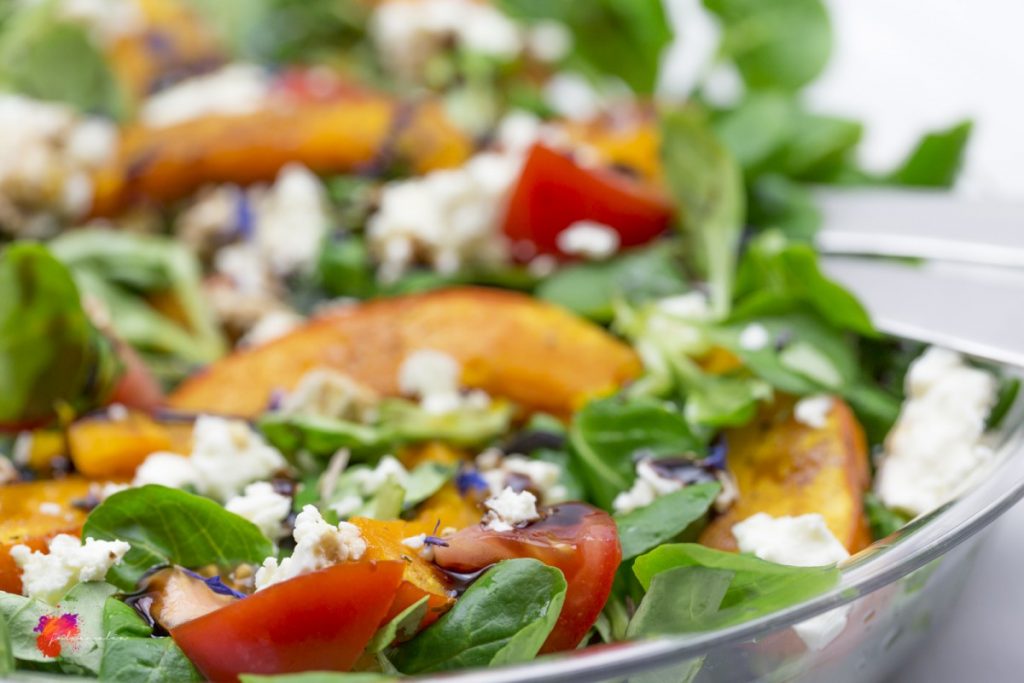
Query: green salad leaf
point(130, 653)
point(884, 521)
point(680, 600)
point(168, 526)
point(606, 434)
point(936, 160)
point(664, 519)
point(50, 354)
point(402, 627)
point(707, 185)
point(322, 436)
point(503, 618)
point(757, 587)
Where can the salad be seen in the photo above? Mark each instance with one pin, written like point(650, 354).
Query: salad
point(382, 338)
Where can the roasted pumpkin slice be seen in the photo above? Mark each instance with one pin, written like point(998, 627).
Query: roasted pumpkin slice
point(783, 467)
point(532, 353)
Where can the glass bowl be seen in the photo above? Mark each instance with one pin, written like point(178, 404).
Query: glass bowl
point(896, 589)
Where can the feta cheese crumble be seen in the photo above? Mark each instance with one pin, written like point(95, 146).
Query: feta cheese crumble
point(648, 486)
point(935, 451)
point(689, 306)
point(803, 541)
point(233, 90)
point(754, 337)
point(813, 411)
point(318, 545)
point(410, 33)
point(510, 509)
point(589, 240)
point(323, 392)
point(48, 576)
point(264, 507)
point(226, 456)
point(433, 377)
point(544, 477)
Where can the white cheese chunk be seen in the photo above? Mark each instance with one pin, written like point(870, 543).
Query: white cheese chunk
point(545, 477)
point(48, 576)
point(589, 240)
point(291, 221)
point(433, 377)
point(233, 90)
point(510, 509)
point(647, 487)
point(935, 451)
point(318, 545)
point(264, 507)
point(803, 541)
point(166, 469)
point(754, 337)
point(813, 411)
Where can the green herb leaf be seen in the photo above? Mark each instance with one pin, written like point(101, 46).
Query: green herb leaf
point(407, 422)
point(680, 600)
point(504, 618)
point(884, 521)
point(605, 435)
point(757, 587)
point(664, 519)
point(6, 649)
point(936, 160)
point(321, 436)
point(49, 351)
point(708, 187)
point(637, 275)
point(425, 480)
point(130, 653)
point(402, 627)
point(168, 526)
point(782, 44)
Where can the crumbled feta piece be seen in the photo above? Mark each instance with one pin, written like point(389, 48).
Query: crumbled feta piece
point(264, 507)
point(273, 325)
point(226, 456)
point(370, 480)
point(446, 219)
point(48, 576)
point(167, 469)
point(589, 240)
point(50, 509)
point(318, 545)
point(433, 377)
point(648, 486)
point(510, 509)
point(549, 41)
point(48, 154)
point(323, 392)
point(410, 33)
point(419, 542)
point(754, 337)
point(233, 90)
point(935, 451)
point(803, 541)
point(291, 220)
point(573, 97)
point(689, 306)
point(813, 411)
point(545, 477)
point(347, 506)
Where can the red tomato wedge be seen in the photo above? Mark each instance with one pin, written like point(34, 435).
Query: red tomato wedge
point(316, 622)
point(554, 192)
point(579, 539)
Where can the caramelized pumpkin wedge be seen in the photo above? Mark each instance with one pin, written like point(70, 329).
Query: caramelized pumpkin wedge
point(420, 578)
point(337, 136)
point(512, 346)
point(104, 447)
point(783, 467)
point(32, 513)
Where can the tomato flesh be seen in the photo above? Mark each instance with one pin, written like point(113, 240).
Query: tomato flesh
point(315, 622)
point(554, 192)
point(578, 539)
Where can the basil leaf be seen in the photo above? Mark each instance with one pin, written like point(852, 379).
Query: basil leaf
point(504, 618)
point(936, 160)
point(468, 426)
point(322, 436)
point(48, 58)
point(610, 38)
point(6, 649)
point(130, 653)
point(637, 275)
point(605, 435)
point(168, 526)
point(680, 600)
point(780, 203)
point(402, 627)
point(781, 44)
point(319, 677)
point(49, 351)
point(664, 519)
point(757, 587)
point(708, 187)
point(425, 480)
point(819, 148)
point(757, 127)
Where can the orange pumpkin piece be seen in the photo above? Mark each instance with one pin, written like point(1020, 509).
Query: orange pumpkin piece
point(421, 578)
point(447, 509)
point(336, 136)
point(783, 467)
point(102, 447)
point(26, 517)
point(510, 345)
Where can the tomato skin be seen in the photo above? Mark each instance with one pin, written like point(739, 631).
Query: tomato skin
point(136, 387)
point(554, 192)
point(315, 622)
point(578, 539)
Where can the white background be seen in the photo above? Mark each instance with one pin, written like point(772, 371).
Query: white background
point(902, 67)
